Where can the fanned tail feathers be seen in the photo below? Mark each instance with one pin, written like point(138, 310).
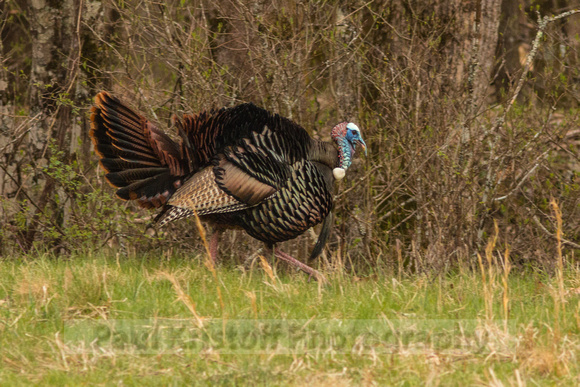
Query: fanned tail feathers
point(142, 161)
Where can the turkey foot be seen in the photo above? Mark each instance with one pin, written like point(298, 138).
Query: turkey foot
point(302, 266)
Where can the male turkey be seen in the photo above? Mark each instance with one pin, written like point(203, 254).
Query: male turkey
point(237, 167)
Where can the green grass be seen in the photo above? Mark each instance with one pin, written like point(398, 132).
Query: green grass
point(43, 300)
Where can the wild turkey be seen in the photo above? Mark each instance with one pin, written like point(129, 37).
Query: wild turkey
point(240, 167)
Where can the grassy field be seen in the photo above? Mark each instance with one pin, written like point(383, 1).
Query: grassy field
point(105, 319)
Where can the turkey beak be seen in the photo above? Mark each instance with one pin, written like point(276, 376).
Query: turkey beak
point(362, 144)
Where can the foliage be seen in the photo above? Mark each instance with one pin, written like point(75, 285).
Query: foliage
point(458, 138)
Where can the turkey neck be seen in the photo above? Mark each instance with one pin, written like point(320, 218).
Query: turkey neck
point(324, 153)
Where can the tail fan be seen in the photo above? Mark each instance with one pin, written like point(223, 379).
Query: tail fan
point(141, 161)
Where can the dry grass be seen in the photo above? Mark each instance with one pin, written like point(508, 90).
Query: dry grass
point(435, 330)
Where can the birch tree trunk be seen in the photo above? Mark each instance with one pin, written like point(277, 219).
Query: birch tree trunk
point(54, 92)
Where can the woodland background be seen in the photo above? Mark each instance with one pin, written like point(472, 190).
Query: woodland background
point(471, 118)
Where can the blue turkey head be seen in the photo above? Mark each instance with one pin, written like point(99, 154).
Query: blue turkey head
point(347, 136)
point(353, 137)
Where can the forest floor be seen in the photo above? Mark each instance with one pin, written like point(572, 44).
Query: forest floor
point(105, 319)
